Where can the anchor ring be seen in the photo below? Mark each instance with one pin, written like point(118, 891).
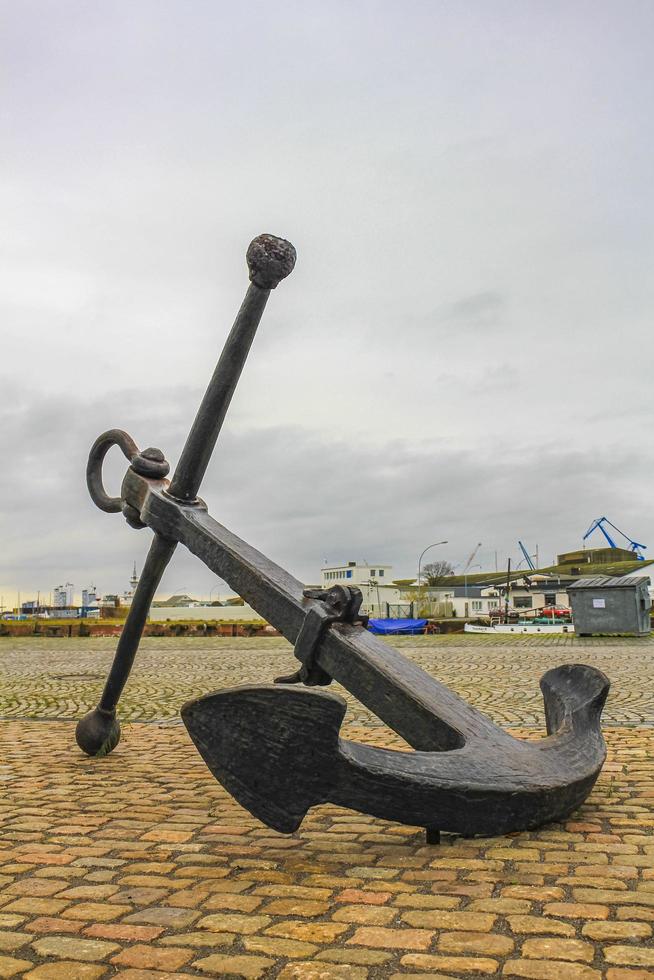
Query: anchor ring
point(99, 449)
point(149, 463)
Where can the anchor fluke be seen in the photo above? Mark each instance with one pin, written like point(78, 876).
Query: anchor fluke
point(574, 694)
point(274, 749)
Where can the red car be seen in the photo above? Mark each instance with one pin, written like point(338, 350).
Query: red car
point(556, 612)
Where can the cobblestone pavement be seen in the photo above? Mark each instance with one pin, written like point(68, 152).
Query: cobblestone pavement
point(62, 678)
point(140, 866)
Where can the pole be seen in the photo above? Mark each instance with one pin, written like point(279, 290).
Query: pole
point(506, 597)
point(436, 543)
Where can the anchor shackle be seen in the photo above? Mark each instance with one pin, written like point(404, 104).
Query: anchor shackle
point(149, 463)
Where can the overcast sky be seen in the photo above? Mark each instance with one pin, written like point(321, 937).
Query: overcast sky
point(464, 349)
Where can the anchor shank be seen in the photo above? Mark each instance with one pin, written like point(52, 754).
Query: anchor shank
point(426, 713)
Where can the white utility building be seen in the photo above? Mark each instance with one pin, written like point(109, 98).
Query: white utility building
point(356, 573)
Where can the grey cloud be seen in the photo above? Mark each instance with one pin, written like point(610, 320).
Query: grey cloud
point(477, 311)
point(297, 495)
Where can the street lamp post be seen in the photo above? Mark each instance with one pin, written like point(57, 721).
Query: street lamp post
point(423, 554)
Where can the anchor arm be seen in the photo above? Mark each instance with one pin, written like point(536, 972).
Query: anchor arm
point(417, 706)
point(278, 752)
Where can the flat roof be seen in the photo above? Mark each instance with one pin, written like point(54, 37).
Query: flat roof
point(610, 582)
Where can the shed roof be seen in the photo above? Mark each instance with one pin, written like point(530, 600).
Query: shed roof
point(610, 582)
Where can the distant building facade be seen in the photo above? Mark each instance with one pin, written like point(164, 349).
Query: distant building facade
point(90, 596)
point(62, 595)
point(355, 573)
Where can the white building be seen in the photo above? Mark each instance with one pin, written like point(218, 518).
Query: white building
point(381, 599)
point(90, 596)
point(525, 596)
point(355, 573)
point(62, 595)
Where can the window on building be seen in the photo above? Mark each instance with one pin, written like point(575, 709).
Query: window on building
point(493, 603)
point(348, 573)
point(476, 605)
point(372, 573)
point(522, 602)
point(550, 598)
point(381, 572)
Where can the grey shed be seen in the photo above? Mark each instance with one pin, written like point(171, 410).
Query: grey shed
point(604, 604)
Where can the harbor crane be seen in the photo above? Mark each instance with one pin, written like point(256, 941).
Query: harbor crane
point(633, 545)
point(527, 556)
point(472, 557)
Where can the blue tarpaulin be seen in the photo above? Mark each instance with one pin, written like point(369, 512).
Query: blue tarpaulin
point(389, 627)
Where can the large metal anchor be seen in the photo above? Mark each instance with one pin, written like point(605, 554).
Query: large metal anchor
point(276, 747)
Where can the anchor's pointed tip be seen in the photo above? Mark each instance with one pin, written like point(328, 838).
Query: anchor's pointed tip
point(275, 749)
point(270, 259)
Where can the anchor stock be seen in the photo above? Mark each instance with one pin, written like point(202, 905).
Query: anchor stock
point(276, 748)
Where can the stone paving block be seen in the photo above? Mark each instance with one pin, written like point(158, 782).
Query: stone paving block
point(98, 911)
point(468, 965)
point(268, 945)
point(630, 955)
point(617, 930)
point(539, 925)
point(489, 943)
point(549, 970)
point(558, 949)
point(34, 887)
point(376, 936)
point(144, 957)
point(119, 932)
point(137, 974)
point(577, 910)
point(439, 919)
point(230, 903)
point(37, 906)
point(234, 922)
point(199, 939)
point(12, 940)
point(67, 970)
point(312, 932)
point(362, 957)
point(323, 971)
point(11, 921)
point(221, 965)
point(423, 976)
point(169, 918)
point(617, 973)
point(10, 966)
point(69, 947)
point(372, 915)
